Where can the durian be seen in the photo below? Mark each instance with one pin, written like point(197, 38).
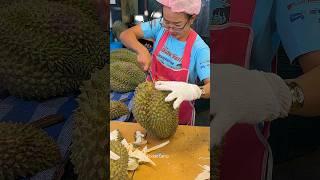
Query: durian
point(25, 151)
point(91, 121)
point(89, 7)
point(123, 55)
point(153, 113)
point(118, 27)
point(125, 76)
point(47, 49)
point(118, 168)
point(118, 109)
point(5, 3)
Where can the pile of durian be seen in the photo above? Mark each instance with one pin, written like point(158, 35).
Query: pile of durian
point(25, 150)
point(118, 109)
point(48, 47)
point(126, 156)
point(89, 136)
point(125, 73)
point(118, 27)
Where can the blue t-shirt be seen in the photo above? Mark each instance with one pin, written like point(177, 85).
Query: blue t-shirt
point(296, 23)
point(172, 52)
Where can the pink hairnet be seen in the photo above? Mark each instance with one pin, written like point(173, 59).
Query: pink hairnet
point(187, 6)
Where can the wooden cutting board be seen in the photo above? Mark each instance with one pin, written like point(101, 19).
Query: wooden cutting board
point(180, 159)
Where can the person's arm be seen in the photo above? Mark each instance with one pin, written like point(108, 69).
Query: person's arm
point(130, 38)
point(203, 69)
point(310, 84)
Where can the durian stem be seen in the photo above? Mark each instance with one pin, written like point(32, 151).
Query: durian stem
point(47, 121)
point(124, 99)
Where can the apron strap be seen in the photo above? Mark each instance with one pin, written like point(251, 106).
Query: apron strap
point(242, 11)
point(187, 50)
point(161, 43)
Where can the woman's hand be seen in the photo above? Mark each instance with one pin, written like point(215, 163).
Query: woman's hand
point(181, 91)
point(144, 59)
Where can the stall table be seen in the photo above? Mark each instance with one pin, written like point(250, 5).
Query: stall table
point(180, 159)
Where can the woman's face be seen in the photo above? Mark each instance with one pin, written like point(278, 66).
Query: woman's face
point(178, 24)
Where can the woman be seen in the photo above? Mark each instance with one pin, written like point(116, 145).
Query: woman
point(179, 57)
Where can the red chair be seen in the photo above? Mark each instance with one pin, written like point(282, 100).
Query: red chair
point(246, 154)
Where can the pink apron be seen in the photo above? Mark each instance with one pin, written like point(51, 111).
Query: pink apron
point(245, 152)
point(160, 72)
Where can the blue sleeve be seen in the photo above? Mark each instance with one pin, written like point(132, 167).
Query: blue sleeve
point(203, 63)
point(150, 28)
point(218, 4)
point(298, 25)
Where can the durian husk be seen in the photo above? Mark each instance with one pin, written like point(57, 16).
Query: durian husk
point(118, 168)
point(89, 7)
point(118, 27)
point(90, 141)
point(153, 113)
point(123, 55)
point(97, 10)
point(25, 151)
point(47, 49)
point(125, 76)
point(118, 109)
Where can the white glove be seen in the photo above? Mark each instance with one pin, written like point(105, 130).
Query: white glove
point(181, 91)
point(245, 96)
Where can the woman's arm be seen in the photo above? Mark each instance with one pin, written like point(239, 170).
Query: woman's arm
point(310, 84)
point(206, 88)
point(130, 38)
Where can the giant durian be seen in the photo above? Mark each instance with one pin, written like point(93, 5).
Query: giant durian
point(125, 76)
point(123, 55)
point(25, 151)
point(153, 113)
point(118, 109)
point(91, 120)
point(47, 49)
point(118, 168)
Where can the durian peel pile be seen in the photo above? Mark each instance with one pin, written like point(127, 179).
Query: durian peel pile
point(136, 156)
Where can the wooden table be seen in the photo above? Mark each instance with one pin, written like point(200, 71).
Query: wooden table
point(180, 159)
